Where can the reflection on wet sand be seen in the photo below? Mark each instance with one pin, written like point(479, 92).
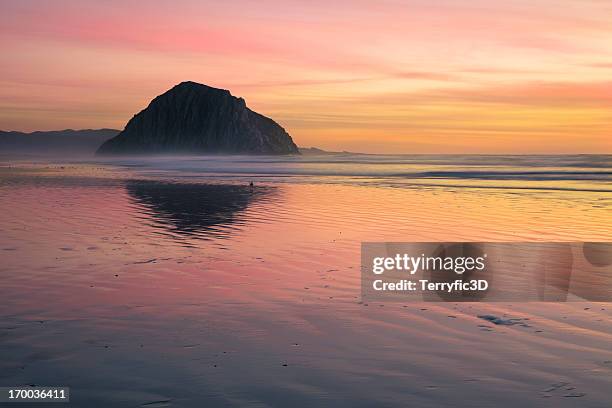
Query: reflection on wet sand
point(263, 308)
point(196, 210)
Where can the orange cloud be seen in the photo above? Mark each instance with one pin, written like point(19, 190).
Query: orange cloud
point(414, 76)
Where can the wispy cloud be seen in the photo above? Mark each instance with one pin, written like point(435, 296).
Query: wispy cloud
point(334, 73)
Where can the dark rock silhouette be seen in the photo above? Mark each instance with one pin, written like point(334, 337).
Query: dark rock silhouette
point(312, 151)
point(315, 151)
point(195, 118)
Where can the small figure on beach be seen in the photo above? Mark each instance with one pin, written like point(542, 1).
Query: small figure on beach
point(251, 184)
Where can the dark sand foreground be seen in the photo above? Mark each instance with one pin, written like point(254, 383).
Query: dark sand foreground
point(150, 286)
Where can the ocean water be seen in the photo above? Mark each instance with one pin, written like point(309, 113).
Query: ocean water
point(170, 281)
point(569, 172)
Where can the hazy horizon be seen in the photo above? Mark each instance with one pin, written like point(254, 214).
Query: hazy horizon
point(300, 146)
point(339, 150)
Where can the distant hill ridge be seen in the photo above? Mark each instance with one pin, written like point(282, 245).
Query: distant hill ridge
point(53, 142)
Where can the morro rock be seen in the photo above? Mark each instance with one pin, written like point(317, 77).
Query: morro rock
point(195, 118)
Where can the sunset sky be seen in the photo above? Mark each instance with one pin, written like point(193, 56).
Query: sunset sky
point(420, 76)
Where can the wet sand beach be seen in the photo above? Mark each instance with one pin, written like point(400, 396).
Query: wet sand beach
point(173, 283)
